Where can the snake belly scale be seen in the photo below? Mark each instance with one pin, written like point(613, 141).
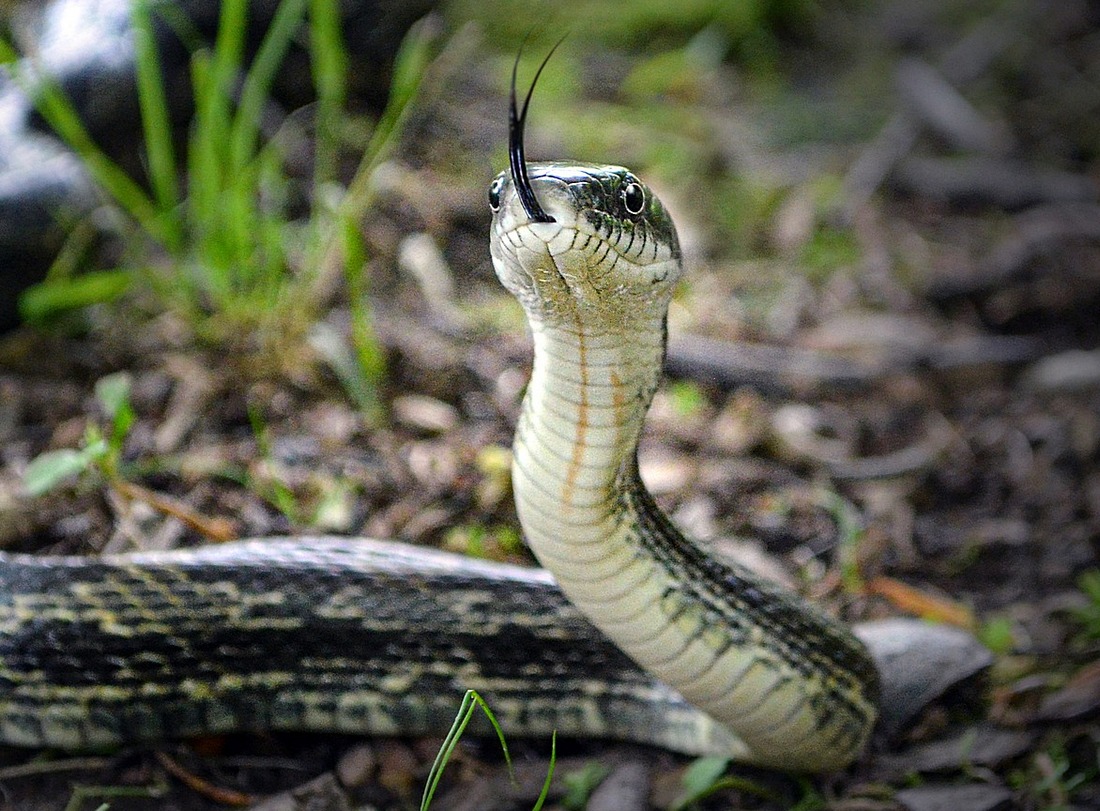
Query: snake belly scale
point(631, 631)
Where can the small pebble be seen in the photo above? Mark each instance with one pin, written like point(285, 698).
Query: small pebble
point(1075, 370)
point(665, 473)
point(625, 789)
point(320, 793)
point(1078, 699)
point(968, 797)
point(397, 767)
point(356, 766)
point(425, 413)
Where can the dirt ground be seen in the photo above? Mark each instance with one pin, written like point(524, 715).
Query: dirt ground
point(893, 394)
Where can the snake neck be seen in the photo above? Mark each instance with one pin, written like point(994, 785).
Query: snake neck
point(578, 434)
point(737, 647)
point(791, 685)
point(578, 493)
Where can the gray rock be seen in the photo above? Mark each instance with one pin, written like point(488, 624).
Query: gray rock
point(625, 789)
point(968, 797)
point(88, 48)
point(981, 745)
point(918, 662)
point(320, 794)
point(1070, 371)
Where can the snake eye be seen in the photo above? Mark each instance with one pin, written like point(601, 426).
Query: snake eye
point(494, 194)
point(634, 198)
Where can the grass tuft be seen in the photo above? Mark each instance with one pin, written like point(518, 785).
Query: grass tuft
point(219, 246)
point(471, 703)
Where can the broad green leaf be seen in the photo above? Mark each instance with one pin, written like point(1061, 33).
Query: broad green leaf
point(701, 774)
point(47, 471)
point(113, 393)
point(47, 300)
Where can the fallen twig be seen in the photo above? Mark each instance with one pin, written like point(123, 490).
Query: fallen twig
point(784, 369)
point(199, 785)
point(965, 61)
point(1007, 184)
point(1032, 234)
point(216, 529)
point(39, 767)
point(937, 105)
point(921, 604)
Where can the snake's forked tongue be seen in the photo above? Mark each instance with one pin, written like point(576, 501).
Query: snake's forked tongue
point(517, 164)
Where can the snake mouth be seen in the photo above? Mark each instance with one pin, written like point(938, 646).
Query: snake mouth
point(517, 120)
point(549, 260)
point(557, 269)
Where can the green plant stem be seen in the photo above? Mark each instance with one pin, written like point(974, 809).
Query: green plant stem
point(156, 124)
point(471, 703)
point(62, 117)
point(329, 62)
point(408, 74)
point(257, 84)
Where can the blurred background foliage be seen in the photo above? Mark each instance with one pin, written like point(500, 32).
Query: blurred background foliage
point(746, 117)
point(730, 110)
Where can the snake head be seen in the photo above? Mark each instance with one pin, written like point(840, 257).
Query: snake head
point(569, 238)
point(609, 248)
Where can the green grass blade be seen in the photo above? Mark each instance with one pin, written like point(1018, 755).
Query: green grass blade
point(203, 175)
point(156, 122)
point(62, 117)
point(409, 68)
point(370, 356)
point(214, 75)
point(410, 65)
point(329, 63)
point(471, 703)
point(496, 727)
point(228, 54)
point(549, 773)
point(260, 262)
point(45, 301)
point(181, 25)
point(465, 711)
point(257, 84)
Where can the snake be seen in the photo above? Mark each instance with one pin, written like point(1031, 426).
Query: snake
point(629, 630)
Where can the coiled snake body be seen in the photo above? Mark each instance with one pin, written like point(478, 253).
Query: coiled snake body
point(367, 636)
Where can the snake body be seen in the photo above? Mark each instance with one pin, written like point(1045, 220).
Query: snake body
point(326, 634)
point(595, 279)
point(368, 636)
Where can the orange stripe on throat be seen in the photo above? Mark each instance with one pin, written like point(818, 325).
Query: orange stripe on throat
point(577, 458)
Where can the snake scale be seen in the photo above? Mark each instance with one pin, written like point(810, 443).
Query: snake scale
point(630, 631)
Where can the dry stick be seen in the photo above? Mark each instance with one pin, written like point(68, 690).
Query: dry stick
point(1033, 233)
point(38, 768)
point(964, 62)
point(786, 369)
point(216, 529)
point(768, 367)
point(916, 458)
point(944, 110)
point(223, 796)
point(1007, 184)
point(920, 603)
